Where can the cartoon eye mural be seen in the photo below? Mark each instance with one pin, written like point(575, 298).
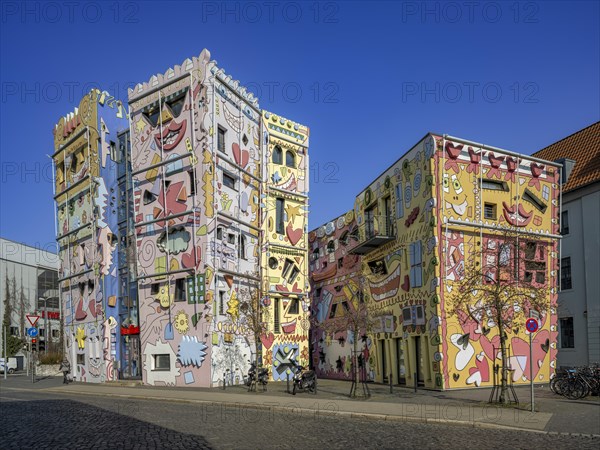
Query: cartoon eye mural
point(249, 113)
point(446, 183)
point(456, 185)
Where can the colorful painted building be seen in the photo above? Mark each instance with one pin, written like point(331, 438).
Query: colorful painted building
point(86, 158)
point(336, 290)
point(444, 202)
point(220, 192)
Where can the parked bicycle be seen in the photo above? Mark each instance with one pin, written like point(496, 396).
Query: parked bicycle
point(577, 383)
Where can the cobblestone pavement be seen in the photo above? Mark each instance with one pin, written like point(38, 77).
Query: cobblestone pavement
point(35, 419)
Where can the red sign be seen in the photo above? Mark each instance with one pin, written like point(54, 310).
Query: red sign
point(531, 325)
point(52, 315)
point(32, 319)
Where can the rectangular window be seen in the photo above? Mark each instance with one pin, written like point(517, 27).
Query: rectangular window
point(416, 264)
point(228, 180)
point(154, 288)
point(14, 331)
point(494, 185)
point(221, 302)
point(564, 223)
point(290, 271)
point(42, 332)
point(318, 292)
point(565, 274)
point(192, 175)
point(230, 238)
point(294, 307)
point(180, 290)
point(276, 318)
point(161, 361)
point(54, 334)
point(534, 200)
point(242, 247)
point(80, 358)
point(399, 202)
point(567, 333)
point(221, 139)
point(489, 211)
point(279, 212)
point(340, 262)
point(219, 233)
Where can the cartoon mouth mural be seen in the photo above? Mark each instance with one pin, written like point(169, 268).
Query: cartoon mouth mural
point(517, 218)
point(171, 136)
point(289, 184)
point(234, 122)
point(387, 287)
point(328, 272)
point(289, 327)
point(458, 208)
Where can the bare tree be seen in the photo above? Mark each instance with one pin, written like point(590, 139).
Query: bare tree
point(355, 317)
point(503, 286)
point(12, 344)
point(254, 318)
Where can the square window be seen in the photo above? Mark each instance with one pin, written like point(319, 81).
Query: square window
point(489, 211)
point(161, 361)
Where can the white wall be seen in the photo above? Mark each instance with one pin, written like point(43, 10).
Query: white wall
point(582, 302)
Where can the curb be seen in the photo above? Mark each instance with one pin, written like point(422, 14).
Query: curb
point(326, 414)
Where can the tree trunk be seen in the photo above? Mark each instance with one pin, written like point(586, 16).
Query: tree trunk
point(504, 367)
point(355, 372)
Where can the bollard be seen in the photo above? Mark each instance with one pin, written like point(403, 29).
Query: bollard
point(415, 378)
point(391, 385)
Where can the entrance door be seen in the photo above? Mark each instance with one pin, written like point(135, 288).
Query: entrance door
point(131, 360)
point(419, 361)
point(383, 361)
point(401, 368)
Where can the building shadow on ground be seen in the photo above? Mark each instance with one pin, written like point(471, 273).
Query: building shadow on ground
point(72, 424)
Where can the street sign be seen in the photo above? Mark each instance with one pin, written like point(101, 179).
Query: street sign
point(32, 332)
point(32, 319)
point(531, 325)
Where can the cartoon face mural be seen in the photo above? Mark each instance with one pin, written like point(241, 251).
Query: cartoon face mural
point(427, 215)
point(198, 224)
point(86, 184)
point(500, 190)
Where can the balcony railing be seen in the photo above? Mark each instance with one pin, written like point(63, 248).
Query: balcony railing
point(372, 233)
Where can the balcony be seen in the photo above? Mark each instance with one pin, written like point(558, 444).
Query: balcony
point(373, 233)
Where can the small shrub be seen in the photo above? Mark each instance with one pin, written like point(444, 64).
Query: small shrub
point(51, 358)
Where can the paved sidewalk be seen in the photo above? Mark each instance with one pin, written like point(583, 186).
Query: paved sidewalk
point(466, 407)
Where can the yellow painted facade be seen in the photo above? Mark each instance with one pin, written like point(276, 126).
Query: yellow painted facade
point(417, 223)
point(284, 256)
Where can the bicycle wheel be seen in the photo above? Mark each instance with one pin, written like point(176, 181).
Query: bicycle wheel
point(560, 384)
point(555, 384)
point(574, 389)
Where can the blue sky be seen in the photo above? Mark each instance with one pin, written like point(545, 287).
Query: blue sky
point(370, 79)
